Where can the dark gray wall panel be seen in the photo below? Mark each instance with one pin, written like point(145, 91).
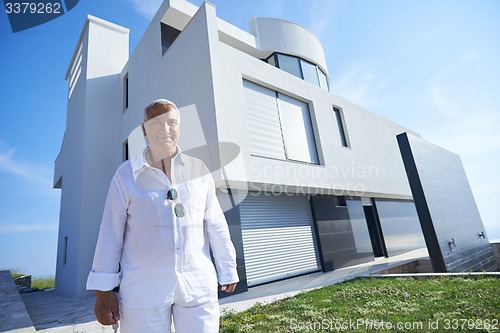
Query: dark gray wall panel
point(339, 246)
point(446, 207)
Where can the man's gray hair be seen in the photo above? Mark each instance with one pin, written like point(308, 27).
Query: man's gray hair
point(161, 101)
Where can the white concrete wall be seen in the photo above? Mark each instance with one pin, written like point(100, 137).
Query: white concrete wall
point(183, 74)
point(276, 35)
point(373, 147)
point(69, 164)
point(88, 155)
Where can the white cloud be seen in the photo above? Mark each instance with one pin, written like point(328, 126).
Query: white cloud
point(465, 89)
point(322, 16)
point(31, 172)
point(465, 95)
point(360, 84)
point(12, 228)
point(470, 137)
point(274, 8)
point(146, 8)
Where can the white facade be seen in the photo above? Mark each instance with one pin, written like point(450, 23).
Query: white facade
point(208, 65)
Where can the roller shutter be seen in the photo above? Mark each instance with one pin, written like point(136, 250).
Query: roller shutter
point(278, 237)
point(263, 121)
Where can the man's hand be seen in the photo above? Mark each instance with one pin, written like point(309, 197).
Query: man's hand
point(228, 288)
point(106, 307)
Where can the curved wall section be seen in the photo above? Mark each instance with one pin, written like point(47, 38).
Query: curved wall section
point(287, 37)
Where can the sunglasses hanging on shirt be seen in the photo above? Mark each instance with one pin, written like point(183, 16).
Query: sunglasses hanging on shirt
point(172, 195)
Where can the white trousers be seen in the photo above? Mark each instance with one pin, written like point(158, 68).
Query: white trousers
point(198, 316)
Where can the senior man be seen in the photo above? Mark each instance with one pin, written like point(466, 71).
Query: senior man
point(160, 220)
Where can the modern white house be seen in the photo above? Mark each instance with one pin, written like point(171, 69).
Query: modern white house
point(308, 180)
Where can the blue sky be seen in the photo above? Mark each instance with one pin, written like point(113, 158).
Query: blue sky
point(432, 66)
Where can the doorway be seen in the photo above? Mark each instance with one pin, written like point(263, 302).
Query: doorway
point(374, 228)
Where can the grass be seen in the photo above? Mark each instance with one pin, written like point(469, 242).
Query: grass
point(444, 304)
point(43, 283)
point(37, 282)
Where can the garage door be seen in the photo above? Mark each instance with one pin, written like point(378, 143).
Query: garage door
point(278, 237)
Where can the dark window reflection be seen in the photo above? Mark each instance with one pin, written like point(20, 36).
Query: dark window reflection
point(168, 35)
point(359, 227)
point(400, 226)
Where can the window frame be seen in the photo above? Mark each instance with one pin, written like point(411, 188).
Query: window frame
point(166, 34)
point(341, 127)
point(125, 92)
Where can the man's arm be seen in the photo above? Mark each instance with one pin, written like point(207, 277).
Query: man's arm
point(220, 240)
point(105, 275)
point(106, 307)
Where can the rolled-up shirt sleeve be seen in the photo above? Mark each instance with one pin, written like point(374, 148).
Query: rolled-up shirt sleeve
point(219, 237)
point(105, 273)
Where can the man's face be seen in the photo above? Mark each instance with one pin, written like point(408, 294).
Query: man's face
point(162, 128)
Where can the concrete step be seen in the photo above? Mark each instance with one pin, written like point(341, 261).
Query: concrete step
point(425, 269)
point(424, 262)
point(13, 314)
point(424, 266)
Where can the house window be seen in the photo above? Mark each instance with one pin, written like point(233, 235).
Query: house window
point(125, 92)
point(65, 249)
point(279, 125)
point(341, 127)
point(309, 72)
point(289, 64)
point(125, 151)
point(300, 68)
point(272, 60)
point(323, 80)
point(168, 35)
point(297, 130)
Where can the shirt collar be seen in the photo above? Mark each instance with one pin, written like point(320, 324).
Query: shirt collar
point(140, 163)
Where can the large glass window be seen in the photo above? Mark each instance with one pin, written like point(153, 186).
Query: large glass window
point(300, 68)
point(309, 72)
point(289, 64)
point(323, 80)
point(279, 125)
point(297, 130)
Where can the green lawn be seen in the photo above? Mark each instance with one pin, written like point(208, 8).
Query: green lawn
point(43, 283)
point(445, 304)
point(37, 282)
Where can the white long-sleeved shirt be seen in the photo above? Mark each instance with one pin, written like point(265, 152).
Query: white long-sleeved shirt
point(154, 249)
